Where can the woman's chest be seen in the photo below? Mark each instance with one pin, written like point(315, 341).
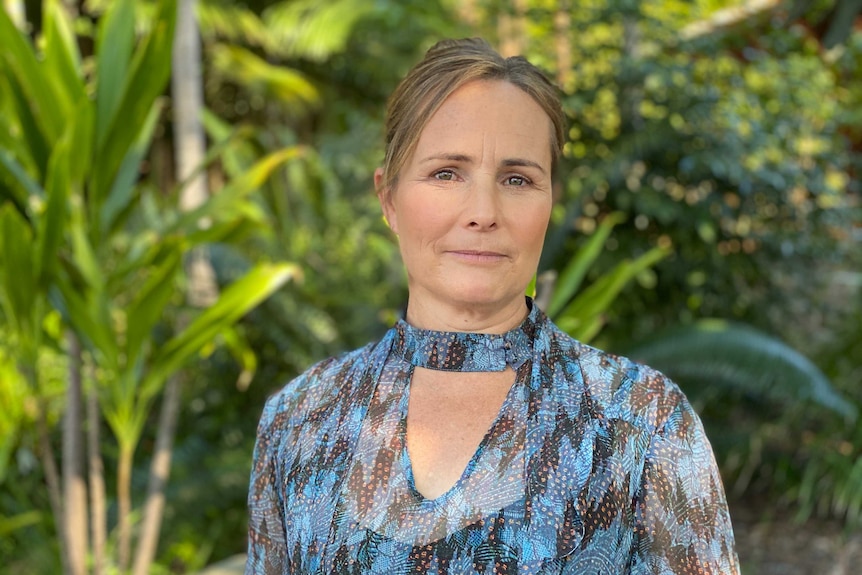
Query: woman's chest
point(551, 491)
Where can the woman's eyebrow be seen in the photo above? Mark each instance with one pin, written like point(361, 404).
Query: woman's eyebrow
point(521, 162)
point(465, 159)
point(460, 158)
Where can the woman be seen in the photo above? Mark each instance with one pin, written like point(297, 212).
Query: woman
point(476, 437)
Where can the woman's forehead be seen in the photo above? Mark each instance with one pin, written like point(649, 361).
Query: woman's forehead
point(483, 117)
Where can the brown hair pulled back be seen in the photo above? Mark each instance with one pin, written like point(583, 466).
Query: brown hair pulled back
point(447, 66)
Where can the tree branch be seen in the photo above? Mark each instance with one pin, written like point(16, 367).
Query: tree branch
point(74, 484)
point(52, 478)
point(98, 515)
point(160, 470)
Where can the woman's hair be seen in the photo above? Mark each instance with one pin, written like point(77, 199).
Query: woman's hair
point(447, 66)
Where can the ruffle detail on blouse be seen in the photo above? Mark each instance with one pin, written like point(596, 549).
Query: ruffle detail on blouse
point(464, 351)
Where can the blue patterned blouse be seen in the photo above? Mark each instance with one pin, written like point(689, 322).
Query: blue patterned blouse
point(594, 465)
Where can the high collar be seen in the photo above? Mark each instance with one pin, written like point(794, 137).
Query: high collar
point(466, 351)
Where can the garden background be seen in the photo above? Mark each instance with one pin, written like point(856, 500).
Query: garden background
point(184, 226)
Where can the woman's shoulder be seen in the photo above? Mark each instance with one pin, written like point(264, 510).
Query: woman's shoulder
point(329, 380)
point(619, 386)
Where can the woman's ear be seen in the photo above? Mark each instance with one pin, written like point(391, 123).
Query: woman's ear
point(384, 196)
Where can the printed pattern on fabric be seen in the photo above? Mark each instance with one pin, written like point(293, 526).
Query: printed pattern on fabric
point(594, 465)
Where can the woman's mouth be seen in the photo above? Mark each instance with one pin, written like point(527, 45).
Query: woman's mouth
point(478, 256)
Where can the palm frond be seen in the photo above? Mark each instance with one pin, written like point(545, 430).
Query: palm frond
point(251, 71)
point(233, 23)
point(312, 29)
point(715, 352)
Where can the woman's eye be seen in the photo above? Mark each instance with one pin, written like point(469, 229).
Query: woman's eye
point(445, 175)
point(516, 181)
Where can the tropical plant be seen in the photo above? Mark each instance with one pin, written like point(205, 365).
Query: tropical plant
point(87, 239)
point(710, 356)
point(321, 205)
point(581, 312)
point(778, 423)
point(712, 359)
point(688, 134)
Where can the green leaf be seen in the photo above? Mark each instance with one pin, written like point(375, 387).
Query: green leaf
point(51, 224)
point(148, 307)
point(14, 395)
point(573, 276)
point(32, 80)
point(235, 301)
point(34, 144)
point(81, 151)
point(314, 30)
point(93, 331)
point(531, 287)
point(234, 150)
point(246, 222)
point(16, 263)
point(587, 331)
point(226, 201)
point(715, 353)
point(21, 186)
point(145, 248)
point(124, 413)
point(113, 52)
point(10, 130)
point(276, 82)
point(579, 316)
point(241, 350)
point(83, 255)
point(123, 190)
point(62, 60)
point(235, 24)
point(144, 83)
point(9, 525)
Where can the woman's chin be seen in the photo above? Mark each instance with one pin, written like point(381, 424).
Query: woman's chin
point(484, 297)
point(486, 293)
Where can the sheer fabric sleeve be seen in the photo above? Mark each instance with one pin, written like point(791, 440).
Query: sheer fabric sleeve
point(682, 523)
point(266, 535)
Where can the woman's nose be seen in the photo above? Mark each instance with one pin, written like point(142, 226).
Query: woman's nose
point(483, 209)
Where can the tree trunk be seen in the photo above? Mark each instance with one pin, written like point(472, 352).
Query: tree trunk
point(187, 92)
point(160, 470)
point(52, 478)
point(98, 515)
point(74, 482)
point(124, 504)
point(190, 144)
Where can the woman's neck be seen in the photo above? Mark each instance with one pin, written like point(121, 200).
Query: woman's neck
point(490, 318)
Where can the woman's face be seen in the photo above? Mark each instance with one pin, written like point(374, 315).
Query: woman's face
point(472, 203)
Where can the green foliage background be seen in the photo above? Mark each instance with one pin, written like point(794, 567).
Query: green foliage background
point(734, 153)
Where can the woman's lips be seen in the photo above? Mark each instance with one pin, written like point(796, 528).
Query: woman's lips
point(478, 256)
